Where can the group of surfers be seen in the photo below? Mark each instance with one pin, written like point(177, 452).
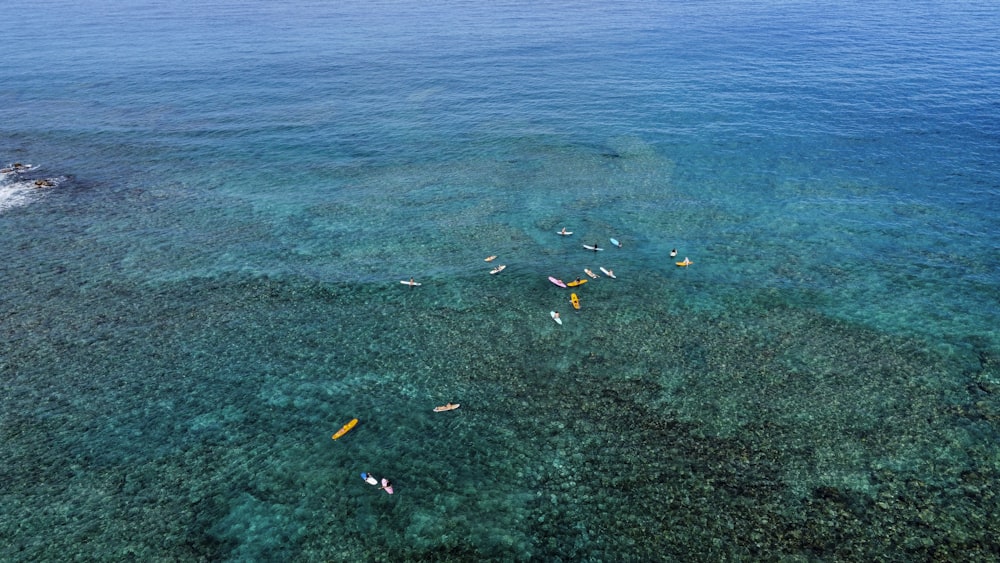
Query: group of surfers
point(372, 480)
point(673, 254)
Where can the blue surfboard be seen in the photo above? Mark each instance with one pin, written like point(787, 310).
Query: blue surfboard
point(616, 243)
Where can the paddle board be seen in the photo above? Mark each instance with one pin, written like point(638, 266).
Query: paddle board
point(590, 273)
point(616, 243)
point(345, 429)
point(557, 282)
point(608, 273)
point(555, 316)
point(574, 300)
point(409, 283)
point(594, 248)
point(448, 407)
point(490, 258)
point(386, 486)
point(498, 269)
point(369, 478)
point(575, 283)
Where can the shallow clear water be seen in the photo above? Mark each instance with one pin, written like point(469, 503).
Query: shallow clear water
point(211, 286)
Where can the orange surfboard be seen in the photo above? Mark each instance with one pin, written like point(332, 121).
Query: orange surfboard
point(345, 429)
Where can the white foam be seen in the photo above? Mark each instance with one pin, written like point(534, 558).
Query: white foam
point(13, 195)
point(15, 192)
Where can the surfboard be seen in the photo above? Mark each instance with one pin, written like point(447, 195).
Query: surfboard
point(594, 248)
point(345, 429)
point(616, 243)
point(574, 300)
point(386, 486)
point(608, 273)
point(685, 263)
point(575, 283)
point(409, 283)
point(590, 273)
point(565, 234)
point(448, 407)
point(369, 478)
point(557, 282)
point(498, 269)
point(490, 258)
point(555, 316)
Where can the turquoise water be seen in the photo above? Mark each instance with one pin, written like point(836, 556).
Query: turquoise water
point(210, 287)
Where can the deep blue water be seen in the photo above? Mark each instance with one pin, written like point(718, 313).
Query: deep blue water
point(210, 286)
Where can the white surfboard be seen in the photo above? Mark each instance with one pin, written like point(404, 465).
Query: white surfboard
point(409, 283)
point(589, 247)
point(608, 273)
point(566, 234)
point(555, 316)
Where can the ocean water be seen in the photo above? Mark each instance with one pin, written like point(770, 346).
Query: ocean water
point(210, 286)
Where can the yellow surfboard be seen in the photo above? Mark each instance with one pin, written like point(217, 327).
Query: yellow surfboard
point(575, 283)
point(345, 429)
point(574, 300)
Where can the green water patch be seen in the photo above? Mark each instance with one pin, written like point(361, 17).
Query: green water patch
point(194, 419)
